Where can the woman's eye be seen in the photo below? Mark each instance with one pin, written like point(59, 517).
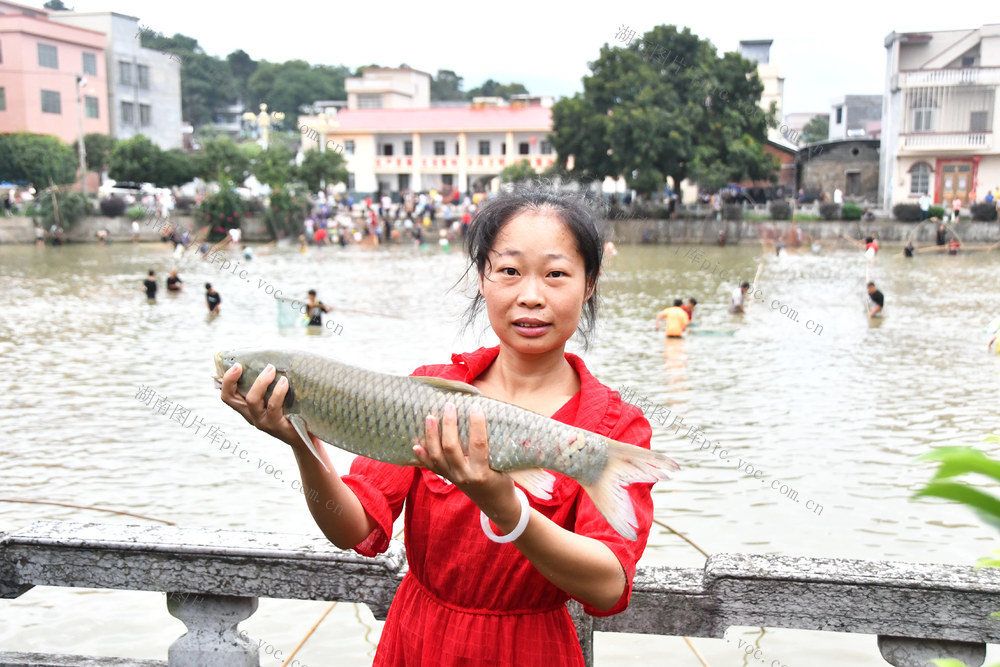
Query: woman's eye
point(557, 274)
point(508, 271)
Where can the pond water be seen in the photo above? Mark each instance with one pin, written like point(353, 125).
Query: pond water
point(833, 409)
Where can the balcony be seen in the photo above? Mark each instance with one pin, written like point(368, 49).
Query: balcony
point(933, 141)
point(978, 76)
point(476, 164)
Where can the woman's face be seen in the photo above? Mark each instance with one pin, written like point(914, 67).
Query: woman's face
point(535, 283)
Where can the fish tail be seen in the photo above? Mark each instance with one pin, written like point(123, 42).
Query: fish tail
point(627, 464)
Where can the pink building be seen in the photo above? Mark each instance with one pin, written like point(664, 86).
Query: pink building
point(40, 64)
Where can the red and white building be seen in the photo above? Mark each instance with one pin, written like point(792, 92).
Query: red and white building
point(392, 148)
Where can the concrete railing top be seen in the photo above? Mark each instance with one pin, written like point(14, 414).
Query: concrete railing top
point(891, 599)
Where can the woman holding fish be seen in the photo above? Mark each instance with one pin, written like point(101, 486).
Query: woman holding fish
point(478, 592)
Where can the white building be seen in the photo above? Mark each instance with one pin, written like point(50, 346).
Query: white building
point(144, 87)
point(855, 116)
point(939, 122)
point(759, 51)
point(393, 144)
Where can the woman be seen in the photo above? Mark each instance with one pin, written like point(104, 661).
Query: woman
point(467, 599)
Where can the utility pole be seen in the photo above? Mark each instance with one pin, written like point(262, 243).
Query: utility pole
point(80, 83)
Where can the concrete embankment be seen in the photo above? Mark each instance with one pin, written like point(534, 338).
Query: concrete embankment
point(22, 230)
point(744, 231)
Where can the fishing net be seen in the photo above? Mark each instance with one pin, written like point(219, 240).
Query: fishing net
point(289, 316)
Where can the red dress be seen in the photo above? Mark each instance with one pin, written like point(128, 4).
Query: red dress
point(466, 600)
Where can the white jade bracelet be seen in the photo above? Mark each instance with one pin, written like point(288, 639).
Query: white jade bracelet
point(522, 523)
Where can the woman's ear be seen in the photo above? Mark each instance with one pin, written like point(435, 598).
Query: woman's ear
point(591, 284)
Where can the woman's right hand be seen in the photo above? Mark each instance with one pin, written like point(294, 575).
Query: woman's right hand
point(268, 416)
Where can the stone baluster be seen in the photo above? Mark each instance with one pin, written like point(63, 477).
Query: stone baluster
point(211, 639)
point(910, 652)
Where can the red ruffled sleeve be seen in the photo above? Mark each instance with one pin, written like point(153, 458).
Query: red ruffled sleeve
point(381, 488)
point(633, 428)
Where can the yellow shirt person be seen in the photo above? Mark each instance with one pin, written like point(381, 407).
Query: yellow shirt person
point(676, 317)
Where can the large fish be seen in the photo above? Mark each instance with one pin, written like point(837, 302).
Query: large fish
point(381, 416)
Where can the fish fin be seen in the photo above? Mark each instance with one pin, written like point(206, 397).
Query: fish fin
point(535, 481)
point(627, 464)
point(300, 427)
point(448, 385)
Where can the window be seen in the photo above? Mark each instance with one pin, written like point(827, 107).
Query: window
point(408, 147)
point(369, 101)
point(438, 148)
point(51, 103)
point(978, 121)
point(128, 113)
point(144, 114)
point(484, 148)
point(48, 56)
point(90, 64)
point(968, 61)
point(91, 107)
point(3, 99)
point(349, 147)
point(456, 148)
point(546, 147)
point(840, 115)
point(923, 119)
point(143, 76)
point(387, 150)
point(350, 182)
point(503, 148)
point(522, 148)
point(448, 179)
point(920, 179)
point(124, 73)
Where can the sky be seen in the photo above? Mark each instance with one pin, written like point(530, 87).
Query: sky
point(823, 50)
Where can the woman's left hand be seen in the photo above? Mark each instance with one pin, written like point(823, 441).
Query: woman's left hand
point(441, 452)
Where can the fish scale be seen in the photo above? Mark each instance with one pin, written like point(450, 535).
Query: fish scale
point(382, 416)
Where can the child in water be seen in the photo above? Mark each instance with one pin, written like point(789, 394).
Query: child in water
point(467, 599)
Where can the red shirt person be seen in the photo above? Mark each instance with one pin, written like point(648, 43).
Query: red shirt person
point(446, 615)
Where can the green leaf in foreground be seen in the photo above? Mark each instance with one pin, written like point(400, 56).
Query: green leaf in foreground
point(987, 506)
point(960, 460)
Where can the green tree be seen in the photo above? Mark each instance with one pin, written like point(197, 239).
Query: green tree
point(53, 207)
point(287, 86)
point(176, 168)
point(817, 129)
point(220, 159)
point(136, 159)
point(520, 171)
point(275, 166)
point(39, 159)
point(98, 148)
point(242, 67)
point(206, 86)
point(224, 209)
point(647, 113)
point(491, 88)
point(326, 165)
point(56, 5)
point(446, 86)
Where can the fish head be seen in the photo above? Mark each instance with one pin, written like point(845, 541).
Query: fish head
point(253, 363)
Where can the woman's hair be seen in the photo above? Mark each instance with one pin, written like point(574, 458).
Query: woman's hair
point(572, 209)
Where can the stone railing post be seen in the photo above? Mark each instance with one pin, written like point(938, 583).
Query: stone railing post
point(211, 639)
point(910, 652)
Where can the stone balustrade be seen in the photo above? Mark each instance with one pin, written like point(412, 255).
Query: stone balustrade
point(213, 579)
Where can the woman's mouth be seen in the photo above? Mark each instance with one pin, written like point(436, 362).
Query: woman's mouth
point(531, 328)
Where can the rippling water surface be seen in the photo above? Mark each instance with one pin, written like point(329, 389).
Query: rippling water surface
point(829, 408)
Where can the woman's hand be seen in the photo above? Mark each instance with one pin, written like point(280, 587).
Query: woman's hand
point(268, 416)
point(441, 452)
